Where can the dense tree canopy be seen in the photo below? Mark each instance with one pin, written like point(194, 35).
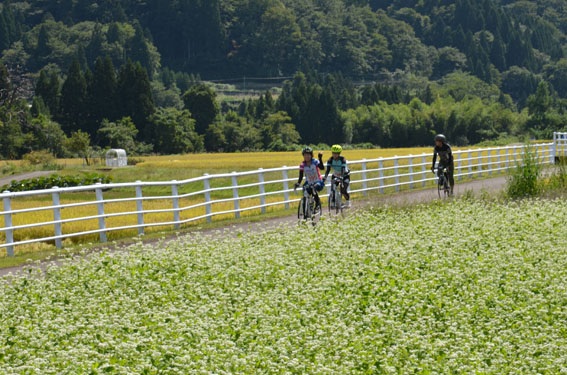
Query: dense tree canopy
point(356, 71)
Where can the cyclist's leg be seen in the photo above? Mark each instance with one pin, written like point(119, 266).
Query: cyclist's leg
point(318, 186)
point(450, 171)
point(346, 182)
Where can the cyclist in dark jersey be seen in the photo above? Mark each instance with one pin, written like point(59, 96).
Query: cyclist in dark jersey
point(443, 150)
point(339, 166)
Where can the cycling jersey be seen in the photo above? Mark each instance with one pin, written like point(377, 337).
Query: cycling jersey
point(445, 155)
point(311, 171)
point(339, 166)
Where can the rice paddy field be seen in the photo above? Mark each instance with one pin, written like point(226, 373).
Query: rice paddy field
point(464, 287)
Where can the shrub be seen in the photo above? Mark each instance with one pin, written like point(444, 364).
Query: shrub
point(48, 182)
point(41, 157)
point(524, 180)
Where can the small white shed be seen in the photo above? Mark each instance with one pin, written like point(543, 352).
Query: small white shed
point(116, 157)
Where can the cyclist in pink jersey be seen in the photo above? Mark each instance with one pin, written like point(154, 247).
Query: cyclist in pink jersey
point(311, 168)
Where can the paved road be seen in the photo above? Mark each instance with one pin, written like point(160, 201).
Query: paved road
point(477, 187)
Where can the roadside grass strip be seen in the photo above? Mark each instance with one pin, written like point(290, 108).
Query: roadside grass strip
point(467, 286)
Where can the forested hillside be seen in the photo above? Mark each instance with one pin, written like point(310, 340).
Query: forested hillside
point(136, 74)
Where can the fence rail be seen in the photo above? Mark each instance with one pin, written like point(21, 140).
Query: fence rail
point(98, 211)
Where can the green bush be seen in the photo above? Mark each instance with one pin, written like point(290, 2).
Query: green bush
point(524, 180)
point(47, 182)
point(41, 157)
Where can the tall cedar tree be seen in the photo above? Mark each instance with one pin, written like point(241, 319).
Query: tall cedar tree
point(102, 93)
point(47, 88)
point(134, 95)
point(73, 98)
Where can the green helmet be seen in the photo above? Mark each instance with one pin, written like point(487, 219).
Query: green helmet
point(336, 149)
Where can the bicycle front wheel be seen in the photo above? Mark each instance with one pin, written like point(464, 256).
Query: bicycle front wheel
point(338, 202)
point(301, 209)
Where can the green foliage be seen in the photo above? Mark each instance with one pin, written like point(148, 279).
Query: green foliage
point(48, 182)
point(200, 100)
point(41, 157)
point(172, 131)
point(525, 180)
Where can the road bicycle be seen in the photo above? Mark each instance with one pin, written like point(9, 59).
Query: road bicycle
point(309, 208)
point(443, 188)
point(335, 196)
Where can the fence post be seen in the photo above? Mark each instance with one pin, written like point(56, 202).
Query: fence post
point(479, 157)
point(488, 158)
point(423, 170)
point(235, 196)
point(410, 169)
point(507, 163)
point(8, 224)
point(175, 201)
point(554, 147)
point(285, 188)
point(100, 212)
point(208, 206)
point(381, 174)
point(459, 166)
point(57, 216)
point(262, 190)
point(396, 173)
point(139, 208)
point(364, 182)
point(551, 154)
point(498, 159)
point(470, 164)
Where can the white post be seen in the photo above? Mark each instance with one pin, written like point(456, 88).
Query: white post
point(208, 206)
point(381, 174)
point(488, 158)
point(410, 168)
point(423, 170)
point(364, 182)
point(396, 173)
point(235, 196)
point(554, 147)
point(498, 159)
point(100, 211)
point(57, 216)
point(285, 188)
point(507, 164)
point(8, 225)
point(175, 201)
point(459, 166)
point(262, 190)
point(470, 164)
point(479, 158)
point(139, 208)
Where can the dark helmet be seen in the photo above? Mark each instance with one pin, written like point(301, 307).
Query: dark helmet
point(440, 137)
point(307, 150)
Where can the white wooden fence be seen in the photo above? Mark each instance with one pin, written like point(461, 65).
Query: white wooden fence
point(104, 210)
